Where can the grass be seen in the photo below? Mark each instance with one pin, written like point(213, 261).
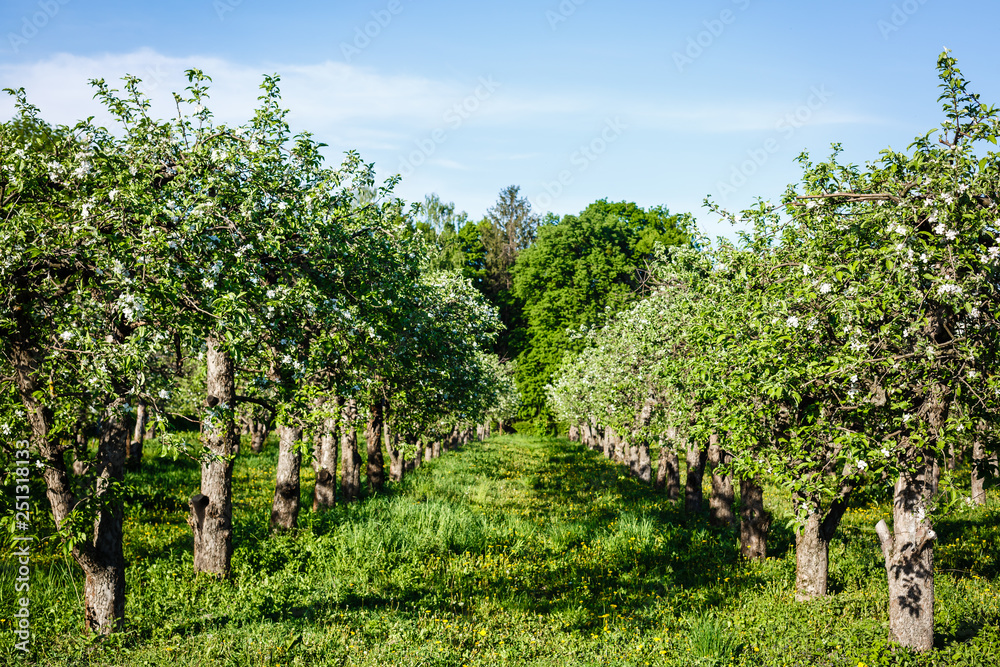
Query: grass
point(516, 551)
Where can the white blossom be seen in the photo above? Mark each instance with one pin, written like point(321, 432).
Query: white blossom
point(792, 321)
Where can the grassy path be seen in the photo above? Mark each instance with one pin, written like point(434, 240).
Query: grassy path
point(515, 551)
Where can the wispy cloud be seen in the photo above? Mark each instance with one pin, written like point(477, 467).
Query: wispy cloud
point(327, 97)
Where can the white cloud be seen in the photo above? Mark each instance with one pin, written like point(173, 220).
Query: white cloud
point(329, 98)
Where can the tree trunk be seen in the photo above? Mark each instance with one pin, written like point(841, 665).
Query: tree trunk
point(909, 560)
point(397, 458)
point(258, 435)
point(720, 504)
point(350, 460)
point(287, 487)
point(574, 433)
point(134, 456)
point(754, 520)
point(812, 544)
point(980, 471)
point(211, 517)
point(101, 557)
point(693, 495)
point(325, 490)
point(618, 453)
point(373, 436)
point(630, 453)
point(644, 468)
point(436, 449)
point(668, 473)
point(80, 452)
point(607, 443)
point(104, 564)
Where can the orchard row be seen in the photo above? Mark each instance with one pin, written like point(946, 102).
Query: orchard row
point(849, 339)
point(140, 258)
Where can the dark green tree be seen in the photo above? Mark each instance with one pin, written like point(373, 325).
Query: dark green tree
point(578, 273)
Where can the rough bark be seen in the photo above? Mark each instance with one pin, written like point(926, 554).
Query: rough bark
point(631, 456)
point(909, 560)
point(325, 490)
point(287, 486)
point(101, 557)
point(375, 469)
point(668, 473)
point(350, 460)
point(211, 515)
point(436, 448)
point(693, 495)
point(720, 503)
point(980, 472)
point(80, 452)
point(754, 520)
point(812, 545)
point(618, 446)
point(134, 456)
point(104, 563)
point(644, 467)
point(574, 433)
point(397, 459)
point(258, 435)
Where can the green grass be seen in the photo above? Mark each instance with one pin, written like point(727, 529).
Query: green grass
point(517, 551)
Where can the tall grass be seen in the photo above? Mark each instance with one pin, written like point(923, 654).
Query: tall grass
point(517, 551)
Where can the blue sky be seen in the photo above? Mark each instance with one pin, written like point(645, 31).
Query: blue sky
point(653, 102)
